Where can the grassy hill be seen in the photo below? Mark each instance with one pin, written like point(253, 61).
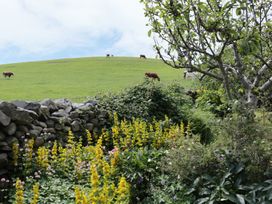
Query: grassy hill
point(79, 77)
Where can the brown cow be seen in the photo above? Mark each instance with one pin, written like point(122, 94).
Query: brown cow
point(8, 74)
point(152, 75)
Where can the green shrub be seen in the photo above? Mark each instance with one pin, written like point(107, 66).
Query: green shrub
point(166, 190)
point(151, 100)
point(140, 167)
point(147, 101)
point(214, 101)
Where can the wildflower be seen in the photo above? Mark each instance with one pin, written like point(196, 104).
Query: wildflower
point(71, 139)
point(123, 191)
point(19, 192)
point(42, 157)
point(54, 152)
point(114, 158)
point(36, 194)
point(89, 137)
point(189, 131)
point(29, 153)
point(15, 153)
point(77, 195)
point(94, 180)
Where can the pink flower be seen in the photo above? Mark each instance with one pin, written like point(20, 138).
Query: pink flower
point(115, 149)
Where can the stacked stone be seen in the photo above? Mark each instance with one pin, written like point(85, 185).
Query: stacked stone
point(44, 121)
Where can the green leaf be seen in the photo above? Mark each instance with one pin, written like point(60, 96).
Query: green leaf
point(149, 33)
point(202, 200)
point(240, 198)
point(238, 11)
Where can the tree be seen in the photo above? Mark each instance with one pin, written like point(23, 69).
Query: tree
point(228, 40)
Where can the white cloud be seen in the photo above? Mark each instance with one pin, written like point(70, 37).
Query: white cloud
point(40, 27)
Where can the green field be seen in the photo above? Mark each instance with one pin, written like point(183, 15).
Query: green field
point(80, 77)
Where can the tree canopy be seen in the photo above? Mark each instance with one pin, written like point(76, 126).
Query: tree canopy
point(228, 40)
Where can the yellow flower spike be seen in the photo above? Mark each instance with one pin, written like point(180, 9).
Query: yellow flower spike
point(78, 194)
point(114, 158)
point(36, 194)
point(71, 139)
point(19, 197)
point(189, 130)
point(115, 119)
point(15, 153)
point(54, 152)
point(98, 150)
point(105, 136)
point(29, 153)
point(78, 169)
point(42, 157)
point(115, 135)
point(94, 178)
point(62, 158)
point(84, 198)
point(106, 169)
point(123, 191)
point(78, 148)
point(89, 137)
point(104, 197)
point(182, 129)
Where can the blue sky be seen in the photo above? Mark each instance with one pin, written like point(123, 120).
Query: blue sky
point(37, 29)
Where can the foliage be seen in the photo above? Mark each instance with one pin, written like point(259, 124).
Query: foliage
point(58, 171)
point(250, 142)
point(147, 100)
point(140, 167)
point(167, 190)
point(229, 41)
point(230, 189)
point(214, 101)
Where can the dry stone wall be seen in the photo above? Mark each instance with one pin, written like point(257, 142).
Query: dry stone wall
point(44, 121)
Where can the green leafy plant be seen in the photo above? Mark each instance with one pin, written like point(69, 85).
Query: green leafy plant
point(140, 167)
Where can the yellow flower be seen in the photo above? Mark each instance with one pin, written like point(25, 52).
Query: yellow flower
point(84, 198)
point(36, 194)
point(114, 158)
point(42, 157)
point(15, 153)
point(123, 191)
point(54, 152)
point(71, 139)
point(182, 129)
point(19, 199)
point(115, 135)
point(29, 153)
point(77, 195)
point(89, 137)
point(106, 169)
point(94, 178)
point(189, 130)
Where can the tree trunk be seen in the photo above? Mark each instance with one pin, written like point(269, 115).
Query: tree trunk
point(251, 99)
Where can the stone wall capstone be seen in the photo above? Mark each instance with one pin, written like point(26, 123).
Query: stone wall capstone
point(44, 121)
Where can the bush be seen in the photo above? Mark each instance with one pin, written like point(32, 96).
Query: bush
point(148, 100)
point(214, 101)
point(140, 167)
point(151, 100)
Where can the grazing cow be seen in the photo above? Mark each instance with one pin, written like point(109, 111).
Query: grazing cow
point(8, 74)
point(108, 55)
point(152, 76)
point(143, 56)
point(190, 75)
